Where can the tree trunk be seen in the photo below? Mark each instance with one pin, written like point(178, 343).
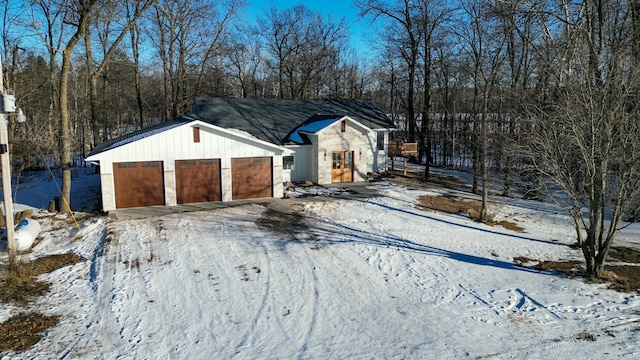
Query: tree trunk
point(64, 120)
point(425, 130)
point(506, 192)
point(93, 91)
point(84, 16)
point(411, 115)
point(485, 171)
point(476, 162)
point(136, 63)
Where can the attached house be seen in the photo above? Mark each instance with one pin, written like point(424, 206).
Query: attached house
point(231, 149)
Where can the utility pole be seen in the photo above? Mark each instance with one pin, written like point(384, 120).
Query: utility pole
point(8, 106)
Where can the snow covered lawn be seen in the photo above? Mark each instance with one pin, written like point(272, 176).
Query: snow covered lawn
point(360, 278)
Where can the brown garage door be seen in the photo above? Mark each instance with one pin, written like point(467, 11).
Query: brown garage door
point(138, 184)
point(198, 181)
point(251, 178)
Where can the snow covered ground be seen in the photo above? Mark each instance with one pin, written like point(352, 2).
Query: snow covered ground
point(360, 278)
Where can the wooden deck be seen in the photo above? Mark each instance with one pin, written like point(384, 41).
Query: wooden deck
point(404, 149)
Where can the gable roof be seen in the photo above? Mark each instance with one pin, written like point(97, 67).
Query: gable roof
point(274, 120)
point(312, 125)
point(140, 134)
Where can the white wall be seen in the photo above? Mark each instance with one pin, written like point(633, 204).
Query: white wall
point(301, 163)
point(177, 144)
point(380, 158)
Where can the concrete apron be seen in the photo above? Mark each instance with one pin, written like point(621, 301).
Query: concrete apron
point(356, 191)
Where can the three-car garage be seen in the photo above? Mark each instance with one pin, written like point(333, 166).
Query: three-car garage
point(196, 180)
point(169, 165)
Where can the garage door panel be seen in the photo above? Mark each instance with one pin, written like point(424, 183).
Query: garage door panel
point(138, 184)
point(252, 177)
point(198, 181)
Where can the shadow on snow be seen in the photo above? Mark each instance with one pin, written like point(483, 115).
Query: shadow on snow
point(323, 232)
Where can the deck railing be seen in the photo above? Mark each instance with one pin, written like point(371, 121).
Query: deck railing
point(404, 149)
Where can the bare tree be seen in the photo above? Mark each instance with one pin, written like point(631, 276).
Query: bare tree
point(404, 33)
point(302, 45)
point(585, 138)
point(134, 34)
point(78, 16)
point(485, 48)
point(246, 62)
point(11, 13)
point(517, 26)
point(112, 27)
point(432, 14)
point(386, 94)
point(346, 78)
point(188, 36)
point(46, 19)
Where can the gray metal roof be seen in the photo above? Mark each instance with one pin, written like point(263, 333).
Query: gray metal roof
point(140, 134)
point(273, 120)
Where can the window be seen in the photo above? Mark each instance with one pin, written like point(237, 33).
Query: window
point(337, 160)
point(209, 162)
point(187, 163)
point(380, 140)
point(343, 126)
point(196, 134)
point(287, 162)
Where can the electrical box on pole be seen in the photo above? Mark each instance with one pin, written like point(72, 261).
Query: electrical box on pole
point(8, 103)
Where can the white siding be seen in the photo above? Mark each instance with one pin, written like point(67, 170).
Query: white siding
point(301, 164)
point(381, 157)
point(178, 144)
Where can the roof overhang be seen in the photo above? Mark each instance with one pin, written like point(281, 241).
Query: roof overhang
point(242, 135)
point(350, 120)
point(95, 158)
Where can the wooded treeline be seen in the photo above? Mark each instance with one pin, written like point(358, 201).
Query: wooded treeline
point(545, 89)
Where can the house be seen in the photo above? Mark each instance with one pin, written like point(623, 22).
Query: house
point(231, 149)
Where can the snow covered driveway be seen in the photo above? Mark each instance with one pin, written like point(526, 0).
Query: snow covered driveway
point(367, 278)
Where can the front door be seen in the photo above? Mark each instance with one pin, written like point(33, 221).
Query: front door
point(342, 166)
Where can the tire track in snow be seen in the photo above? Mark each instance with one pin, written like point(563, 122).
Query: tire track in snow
point(253, 324)
point(179, 286)
point(133, 264)
point(95, 269)
point(315, 305)
point(294, 291)
point(103, 326)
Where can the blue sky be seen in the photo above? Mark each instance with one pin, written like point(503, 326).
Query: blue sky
point(358, 28)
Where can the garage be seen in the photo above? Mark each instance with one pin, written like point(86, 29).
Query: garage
point(198, 180)
point(138, 184)
point(251, 177)
point(187, 161)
